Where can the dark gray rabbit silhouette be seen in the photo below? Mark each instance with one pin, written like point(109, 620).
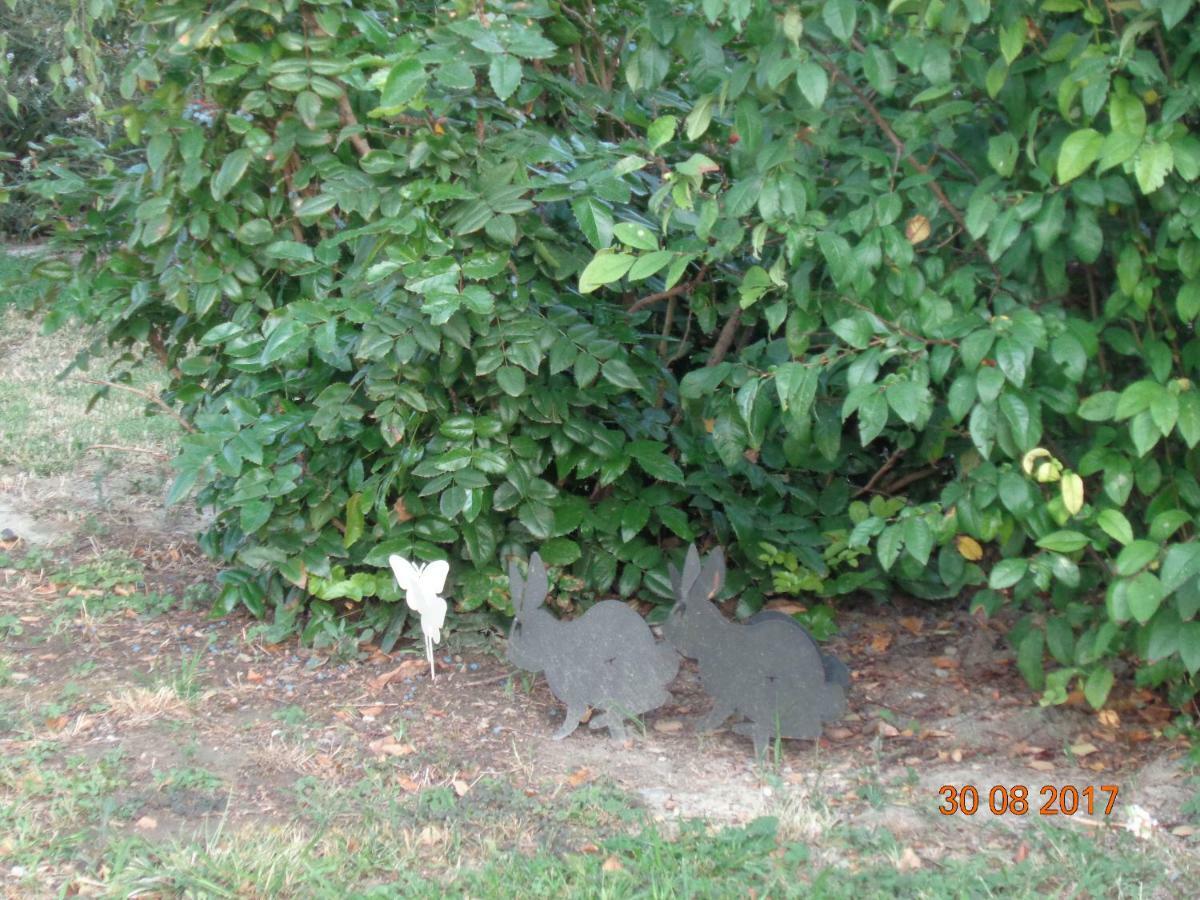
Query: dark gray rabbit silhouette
point(835, 670)
point(607, 658)
point(768, 671)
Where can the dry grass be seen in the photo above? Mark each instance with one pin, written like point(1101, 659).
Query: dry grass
point(282, 755)
point(803, 816)
point(138, 706)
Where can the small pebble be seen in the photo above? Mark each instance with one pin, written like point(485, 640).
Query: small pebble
point(473, 666)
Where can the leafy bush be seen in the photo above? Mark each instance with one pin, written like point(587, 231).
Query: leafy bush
point(55, 58)
point(896, 298)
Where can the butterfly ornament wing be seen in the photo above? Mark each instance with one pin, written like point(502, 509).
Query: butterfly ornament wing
point(422, 586)
point(433, 582)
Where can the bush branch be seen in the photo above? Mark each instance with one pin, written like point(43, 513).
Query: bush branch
point(725, 338)
point(146, 395)
point(346, 112)
point(681, 288)
point(897, 142)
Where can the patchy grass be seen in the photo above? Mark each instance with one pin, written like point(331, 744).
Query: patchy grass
point(71, 827)
point(145, 750)
point(46, 427)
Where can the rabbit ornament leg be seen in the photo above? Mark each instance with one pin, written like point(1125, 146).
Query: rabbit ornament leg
point(575, 714)
point(716, 717)
point(757, 732)
point(614, 722)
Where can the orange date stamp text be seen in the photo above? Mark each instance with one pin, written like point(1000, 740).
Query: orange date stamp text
point(1052, 800)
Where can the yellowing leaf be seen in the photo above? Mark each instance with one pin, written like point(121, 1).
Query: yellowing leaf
point(1032, 457)
point(1072, 492)
point(968, 548)
point(917, 229)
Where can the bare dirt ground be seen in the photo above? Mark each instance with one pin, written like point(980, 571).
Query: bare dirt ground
point(111, 664)
point(935, 700)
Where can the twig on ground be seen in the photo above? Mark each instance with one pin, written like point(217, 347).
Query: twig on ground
point(491, 680)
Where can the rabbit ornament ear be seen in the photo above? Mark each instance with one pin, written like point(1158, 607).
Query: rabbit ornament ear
point(538, 585)
point(711, 578)
point(516, 586)
point(691, 571)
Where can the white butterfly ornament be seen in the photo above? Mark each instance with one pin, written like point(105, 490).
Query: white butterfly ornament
point(422, 586)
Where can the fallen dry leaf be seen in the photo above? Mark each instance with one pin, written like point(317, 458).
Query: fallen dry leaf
point(1109, 718)
point(461, 787)
point(789, 607)
point(1084, 749)
point(838, 734)
point(945, 662)
point(407, 784)
point(1021, 854)
point(146, 823)
point(888, 730)
point(880, 642)
point(253, 677)
point(408, 667)
point(668, 726)
point(370, 711)
point(589, 848)
point(612, 864)
point(582, 775)
point(911, 624)
point(908, 860)
point(390, 747)
point(56, 723)
point(1041, 765)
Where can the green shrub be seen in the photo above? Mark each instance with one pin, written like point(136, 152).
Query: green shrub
point(896, 298)
point(55, 59)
